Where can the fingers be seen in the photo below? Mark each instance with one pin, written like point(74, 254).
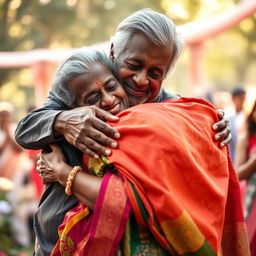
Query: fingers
point(86, 131)
point(222, 124)
point(92, 148)
point(224, 135)
point(105, 128)
point(226, 141)
point(94, 141)
point(104, 115)
point(221, 113)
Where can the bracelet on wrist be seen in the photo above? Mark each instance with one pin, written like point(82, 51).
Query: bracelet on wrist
point(71, 178)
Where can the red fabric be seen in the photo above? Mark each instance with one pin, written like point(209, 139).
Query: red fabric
point(35, 178)
point(168, 153)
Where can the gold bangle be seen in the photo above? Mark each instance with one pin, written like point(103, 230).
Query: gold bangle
point(71, 178)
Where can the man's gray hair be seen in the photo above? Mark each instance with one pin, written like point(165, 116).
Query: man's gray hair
point(159, 29)
point(77, 64)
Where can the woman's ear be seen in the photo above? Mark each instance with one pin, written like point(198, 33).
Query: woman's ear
point(111, 54)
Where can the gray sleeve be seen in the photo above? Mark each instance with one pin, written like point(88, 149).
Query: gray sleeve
point(164, 95)
point(35, 131)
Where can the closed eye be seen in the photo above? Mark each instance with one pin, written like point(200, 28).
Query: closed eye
point(132, 66)
point(92, 100)
point(111, 87)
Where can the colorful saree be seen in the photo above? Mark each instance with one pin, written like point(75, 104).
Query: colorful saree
point(181, 186)
point(250, 200)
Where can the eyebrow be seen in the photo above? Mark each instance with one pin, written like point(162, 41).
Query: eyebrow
point(104, 84)
point(142, 62)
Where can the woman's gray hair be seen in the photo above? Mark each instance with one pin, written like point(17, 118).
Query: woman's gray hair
point(159, 29)
point(77, 64)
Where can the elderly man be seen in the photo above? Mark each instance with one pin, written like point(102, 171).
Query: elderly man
point(143, 50)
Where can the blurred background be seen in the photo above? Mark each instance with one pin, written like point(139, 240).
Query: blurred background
point(218, 63)
point(227, 58)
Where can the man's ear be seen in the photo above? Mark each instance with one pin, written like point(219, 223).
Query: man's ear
point(111, 54)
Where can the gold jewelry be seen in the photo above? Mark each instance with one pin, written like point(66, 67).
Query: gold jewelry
point(71, 178)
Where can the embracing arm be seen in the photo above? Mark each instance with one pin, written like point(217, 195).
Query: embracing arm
point(35, 131)
point(86, 187)
point(53, 168)
point(82, 127)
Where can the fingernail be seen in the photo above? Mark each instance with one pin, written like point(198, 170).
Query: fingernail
point(217, 137)
point(107, 152)
point(117, 135)
point(215, 127)
point(113, 144)
point(222, 144)
point(96, 156)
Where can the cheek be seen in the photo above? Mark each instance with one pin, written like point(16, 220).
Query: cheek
point(123, 73)
point(155, 86)
point(120, 93)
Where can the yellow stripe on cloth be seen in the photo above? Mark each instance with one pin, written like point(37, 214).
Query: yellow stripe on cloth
point(70, 224)
point(183, 234)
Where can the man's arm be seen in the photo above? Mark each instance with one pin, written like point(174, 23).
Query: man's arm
point(35, 131)
point(83, 127)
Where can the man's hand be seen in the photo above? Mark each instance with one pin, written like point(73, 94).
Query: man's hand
point(84, 127)
point(224, 129)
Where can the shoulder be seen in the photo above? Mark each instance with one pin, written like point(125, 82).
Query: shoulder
point(165, 95)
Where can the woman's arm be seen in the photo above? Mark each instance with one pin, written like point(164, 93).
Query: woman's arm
point(244, 165)
point(52, 168)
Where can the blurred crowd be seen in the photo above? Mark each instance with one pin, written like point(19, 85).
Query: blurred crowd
point(21, 187)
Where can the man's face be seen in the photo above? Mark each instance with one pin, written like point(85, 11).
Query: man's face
point(141, 68)
point(239, 101)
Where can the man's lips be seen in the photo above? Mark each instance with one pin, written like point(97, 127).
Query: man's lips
point(138, 92)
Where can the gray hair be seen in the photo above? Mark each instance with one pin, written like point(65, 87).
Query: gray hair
point(159, 29)
point(77, 64)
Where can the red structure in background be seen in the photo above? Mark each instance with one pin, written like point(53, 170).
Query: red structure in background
point(194, 34)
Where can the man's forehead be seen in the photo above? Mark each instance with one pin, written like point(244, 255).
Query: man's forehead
point(141, 48)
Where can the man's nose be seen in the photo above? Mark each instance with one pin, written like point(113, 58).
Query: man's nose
point(141, 78)
point(107, 99)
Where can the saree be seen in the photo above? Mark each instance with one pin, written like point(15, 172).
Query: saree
point(179, 184)
point(250, 200)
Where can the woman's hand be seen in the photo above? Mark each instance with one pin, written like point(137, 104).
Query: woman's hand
point(223, 129)
point(50, 165)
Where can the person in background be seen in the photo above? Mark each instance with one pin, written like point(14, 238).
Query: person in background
point(15, 165)
point(236, 118)
point(246, 169)
point(9, 149)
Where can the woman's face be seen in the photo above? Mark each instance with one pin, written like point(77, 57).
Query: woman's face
point(99, 88)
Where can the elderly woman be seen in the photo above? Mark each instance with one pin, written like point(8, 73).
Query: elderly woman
point(180, 198)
